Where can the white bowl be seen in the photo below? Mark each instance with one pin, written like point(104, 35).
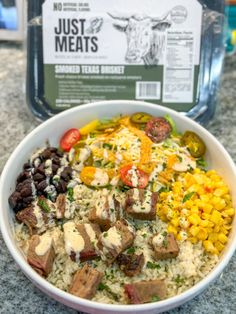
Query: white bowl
point(51, 130)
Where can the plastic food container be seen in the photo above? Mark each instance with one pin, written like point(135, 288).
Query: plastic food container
point(169, 53)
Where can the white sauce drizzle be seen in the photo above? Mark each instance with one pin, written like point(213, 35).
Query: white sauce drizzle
point(90, 232)
point(111, 238)
point(44, 244)
point(145, 206)
point(74, 242)
point(101, 178)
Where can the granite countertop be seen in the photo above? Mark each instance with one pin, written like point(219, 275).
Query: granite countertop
point(17, 293)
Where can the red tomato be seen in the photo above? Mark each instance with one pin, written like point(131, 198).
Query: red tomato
point(70, 138)
point(128, 178)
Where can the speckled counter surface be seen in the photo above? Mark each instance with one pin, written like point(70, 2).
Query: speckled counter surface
point(17, 293)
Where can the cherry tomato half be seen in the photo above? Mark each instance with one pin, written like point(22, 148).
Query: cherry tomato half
point(134, 177)
point(70, 138)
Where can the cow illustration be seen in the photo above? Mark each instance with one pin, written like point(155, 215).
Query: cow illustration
point(145, 37)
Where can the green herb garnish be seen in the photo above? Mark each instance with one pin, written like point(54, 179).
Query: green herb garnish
point(104, 287)
point(43, 204)
point(179, 280)
point(70, 194)
point(153, 265)
point(109, 146)
point(97, 163)
point(105, 234)
point(201, 163)
point(188, 196)
point(155, 298)
point(164, 189)
point(131, 250)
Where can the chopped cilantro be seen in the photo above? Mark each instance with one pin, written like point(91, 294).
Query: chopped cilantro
point(144, 235)
point(180, 158)
point(153, 265)
point(104, 287)
point(188, 196)
point(70, 194)
point(167, 143)
point(124, 188)
point(105, 234)
point(179, 280)
point(43, 204)
point(97, 163)
point(164, 189)
point(155, 298)
point(131, 250)
point(201, 163)
point(107, 145)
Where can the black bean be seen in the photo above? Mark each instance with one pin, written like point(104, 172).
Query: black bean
point(19, 206)
point(46, 154)
point(23, 184)
point(27, 166)
point(38, 177)
point(28, 200)
point(40, 168)
point(56, 160)
point(14, 198)
point(55, 168)
point(62, 186)
point(42, 185)
point(23, 176)
point(53, 149)
point(59, 153)
point(26, 191)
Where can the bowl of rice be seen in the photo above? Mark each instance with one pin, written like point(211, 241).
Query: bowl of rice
point(119, 207)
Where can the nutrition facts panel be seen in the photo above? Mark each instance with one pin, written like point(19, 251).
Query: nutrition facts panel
point(179, 67)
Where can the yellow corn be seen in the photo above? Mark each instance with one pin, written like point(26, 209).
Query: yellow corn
point(202, 234)
point(172, 229)
point(209, 247)
point(229, 212)
point(219, 246)
point(206, 217)
point(215, 217)
point(194, 219)
point(222, 238)
point(213, 237)
point(194, 230)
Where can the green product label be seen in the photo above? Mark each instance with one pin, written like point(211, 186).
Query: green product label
point(66, 87)
point(94, 51)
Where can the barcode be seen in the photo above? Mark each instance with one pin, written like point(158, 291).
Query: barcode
point(148, 90)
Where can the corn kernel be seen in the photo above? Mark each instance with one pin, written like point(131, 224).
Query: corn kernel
point(215, 217)
point(194, 219)
point(217, 228)
point(194, 230)
point(209, 247)
point(175, 221)
point(221, 191)
point(206, 216)
point(229, 212)
point(193, 240)
point(219, 246)
point(207, 208)
point(202, 234)
point(213, 237)
point(204, 223)
point(172, 229)
point(222, 238)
